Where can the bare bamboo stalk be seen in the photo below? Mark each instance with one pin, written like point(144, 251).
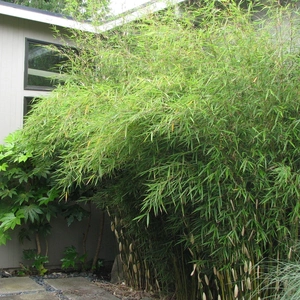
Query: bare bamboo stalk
point(100, 238)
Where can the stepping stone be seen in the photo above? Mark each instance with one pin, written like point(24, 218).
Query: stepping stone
point(16, 285)
point(32, 296)
point(79, 288)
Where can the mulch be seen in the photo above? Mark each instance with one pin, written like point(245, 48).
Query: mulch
point(124, 292)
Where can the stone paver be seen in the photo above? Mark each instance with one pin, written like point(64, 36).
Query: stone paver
point(69, 283)
point(31, 296)
point(19, 284)
point(79, 295)
point(75, 288)
point(79, 288)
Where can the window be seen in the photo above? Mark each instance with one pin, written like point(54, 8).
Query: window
point(42, 65)
point(27, 105)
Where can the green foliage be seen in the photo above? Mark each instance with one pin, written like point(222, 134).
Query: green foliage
point(50, 5)
point(187, 130)
point(99, 265)
point(93, 10)
point(38, 262)
point(4, 237)
point(76, 8)
point(74, 212)
point(26, 192)
point(17, 192)
point(32, 229)
point(72, 259)
point(28, 196)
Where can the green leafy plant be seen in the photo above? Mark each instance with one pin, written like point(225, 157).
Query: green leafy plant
point(29, 198)
point(97, 267)
point(72, 259)
point(38, 262)
point(24, 270)
point(26, 193)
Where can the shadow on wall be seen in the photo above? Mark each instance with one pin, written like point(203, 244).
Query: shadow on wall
point(63, 236)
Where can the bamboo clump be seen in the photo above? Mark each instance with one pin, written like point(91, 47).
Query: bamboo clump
point(187, 129)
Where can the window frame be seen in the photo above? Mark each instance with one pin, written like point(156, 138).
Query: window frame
point(26, 104)
point(26, 67)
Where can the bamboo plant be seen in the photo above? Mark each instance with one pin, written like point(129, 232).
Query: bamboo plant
point(188, 130)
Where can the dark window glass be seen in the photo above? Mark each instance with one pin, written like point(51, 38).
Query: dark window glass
point(27, 105)
point(42, 65)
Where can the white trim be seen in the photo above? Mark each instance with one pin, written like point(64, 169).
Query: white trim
point(34, 15)
point(42, 73)
point(35, 93)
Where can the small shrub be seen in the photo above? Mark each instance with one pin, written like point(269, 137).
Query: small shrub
point(72, 259)
point(38, 263)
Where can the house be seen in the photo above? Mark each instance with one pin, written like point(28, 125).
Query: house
point(22, 30)
point(26, 69)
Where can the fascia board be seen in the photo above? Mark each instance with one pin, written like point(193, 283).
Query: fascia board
point(44, 18)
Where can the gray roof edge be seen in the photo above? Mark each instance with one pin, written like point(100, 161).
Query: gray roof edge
point(27, 8)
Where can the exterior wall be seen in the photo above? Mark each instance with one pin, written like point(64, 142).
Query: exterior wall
point(13, 32)
point(63, 236)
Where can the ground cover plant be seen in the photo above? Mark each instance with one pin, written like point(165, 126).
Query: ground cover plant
point(186, 128)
